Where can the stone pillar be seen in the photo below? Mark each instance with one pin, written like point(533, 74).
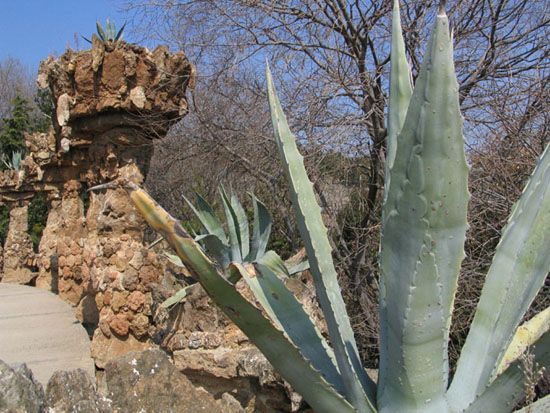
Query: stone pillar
point(65, 220)
point(110, 103)
point(18, 250)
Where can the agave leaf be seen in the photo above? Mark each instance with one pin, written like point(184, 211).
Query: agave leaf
point(216, 249)
point(233, 226)
point(282, 354)
point(297, 262)
point(110, 29)
point(174, 259)
point(519, 267)
point(177, 297)
point(423, 236)
point(314, 235)
point(540, 406)
point(301, 266)
point(261, 230)
point(206, 216)
point(508, 389)
point(100, 31)
point(526, 335)
point(242, 222)
point(85, 38)
point(287, 312)
point(120, 33)
point(400, 90)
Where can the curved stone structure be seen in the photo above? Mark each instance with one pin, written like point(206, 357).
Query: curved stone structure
point(110, 103)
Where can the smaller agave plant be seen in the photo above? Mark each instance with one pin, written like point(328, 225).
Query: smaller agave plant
point(14, 163)
point(109, 34)
point(240, 246)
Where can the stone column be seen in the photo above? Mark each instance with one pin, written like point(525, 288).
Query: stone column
point(110, 103)
point(18, 249)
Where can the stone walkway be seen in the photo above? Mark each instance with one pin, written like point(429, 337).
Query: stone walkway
point(39, 329)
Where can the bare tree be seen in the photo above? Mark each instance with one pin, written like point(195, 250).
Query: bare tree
point(15, 80)
point(335, 54)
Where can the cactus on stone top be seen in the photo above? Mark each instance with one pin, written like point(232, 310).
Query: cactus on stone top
point(423, 232)
point(109, 33)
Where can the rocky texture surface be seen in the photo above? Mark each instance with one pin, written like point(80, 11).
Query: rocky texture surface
point(106, 348)
point(110, 103)
point(216, 355)
point(149, 382)
point(74, 391)
point(18, 250)
point(144, 382)
point(19, 392)
point(118, 77)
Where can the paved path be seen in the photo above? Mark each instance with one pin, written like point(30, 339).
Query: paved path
point(40, 329)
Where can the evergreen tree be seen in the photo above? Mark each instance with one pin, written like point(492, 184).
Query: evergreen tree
point(12, 133)
point(42, 120)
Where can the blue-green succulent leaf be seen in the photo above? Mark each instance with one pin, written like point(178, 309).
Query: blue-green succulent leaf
point(177, 298)
point(540, 406)
point(174, 259)
point(319, 252)
point(233, 227)
point(301, 266)
point(100, 31)
point(423, 236)
point(288, 314)
point(525, 336)
point(242, 225)
point(109, 29)
point(400, 90)
point(261, 230)
point(207, 217)
point(519, 267)
point(508, 389)
point(120, 33)
point(216, 249)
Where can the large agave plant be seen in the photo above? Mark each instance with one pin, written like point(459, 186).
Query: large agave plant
point(424, 227)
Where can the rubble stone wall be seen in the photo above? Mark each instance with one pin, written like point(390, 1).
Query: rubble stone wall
point(110, 103)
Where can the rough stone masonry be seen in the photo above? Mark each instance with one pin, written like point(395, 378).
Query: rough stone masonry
point(110, 103)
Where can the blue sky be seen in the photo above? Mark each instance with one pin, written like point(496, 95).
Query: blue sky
point(30, 30)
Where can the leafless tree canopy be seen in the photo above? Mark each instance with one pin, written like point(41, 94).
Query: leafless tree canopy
point(14, 79)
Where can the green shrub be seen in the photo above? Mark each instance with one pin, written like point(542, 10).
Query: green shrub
point(37, 217)
point(4, 223)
